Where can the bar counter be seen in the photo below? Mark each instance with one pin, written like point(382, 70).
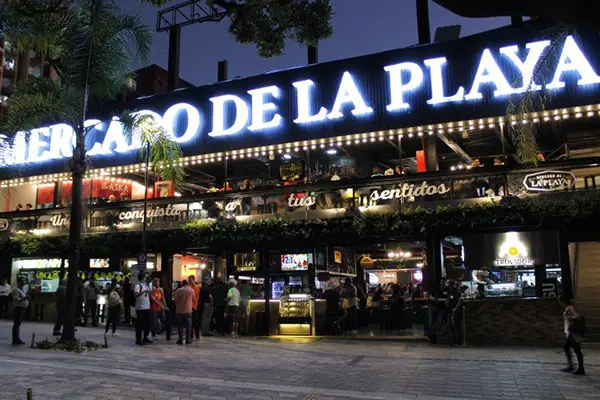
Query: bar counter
point(513, 321)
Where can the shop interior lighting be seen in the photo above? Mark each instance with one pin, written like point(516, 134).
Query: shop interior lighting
point(332, 151)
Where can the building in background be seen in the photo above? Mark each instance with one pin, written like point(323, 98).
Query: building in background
point(150, 81)
point(422, 128)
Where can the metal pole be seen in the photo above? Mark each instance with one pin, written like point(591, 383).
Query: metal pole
point(144, 219)
point(174, 50)
point(423, 27)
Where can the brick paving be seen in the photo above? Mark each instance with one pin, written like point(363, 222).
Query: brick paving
point(297, 369)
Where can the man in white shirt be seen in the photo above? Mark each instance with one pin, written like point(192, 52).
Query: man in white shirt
point(4, 293)
point(233, 305)
point(20, 302)
point(141, 293)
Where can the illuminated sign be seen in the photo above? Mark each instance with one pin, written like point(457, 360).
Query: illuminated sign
point(548, 181)
point(60, 221)
point(295, 201)
point(42, 263)
point(408, 190)
point(167, 211)
point(353, 96)
point(512, 252)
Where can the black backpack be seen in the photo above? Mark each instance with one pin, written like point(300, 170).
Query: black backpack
point(578, 326)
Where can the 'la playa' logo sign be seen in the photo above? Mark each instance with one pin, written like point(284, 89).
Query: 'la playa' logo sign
point(259, 110)
point(548, 181)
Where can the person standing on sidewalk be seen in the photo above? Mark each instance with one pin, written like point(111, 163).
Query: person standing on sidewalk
point(90, 296)
point(574, 332)
point(245, 296)
point(21, 302)
point(454, 307)
point(61, 307)
point(142, 310)
point(233, 305)
point(350, 303)
point(114, 309)
point(206, 306)
point(184, 298)
point(195, 316)
point(4, 293)
point(157, 307)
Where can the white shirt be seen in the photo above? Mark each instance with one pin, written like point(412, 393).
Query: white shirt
point(233, 295)
point(142, 302)
point(20, 298)
point(4, 290)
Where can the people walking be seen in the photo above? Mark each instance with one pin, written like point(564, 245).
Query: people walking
point(114, 309)
point(195, 316)
point(142, 310)
point(61, 307)
point(90, 296)
point(157, 308)
point(574, 325)
point(20, 302)
point(184, 298)
point(206, 306)
point(4, 293)
point(233, 305)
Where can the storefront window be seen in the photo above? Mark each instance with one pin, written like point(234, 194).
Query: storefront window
point(512, 264)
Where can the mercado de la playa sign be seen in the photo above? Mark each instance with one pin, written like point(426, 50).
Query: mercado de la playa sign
point(549, 181)
point(350, 96)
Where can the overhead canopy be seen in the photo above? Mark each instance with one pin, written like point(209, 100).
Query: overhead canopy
point(574, 12)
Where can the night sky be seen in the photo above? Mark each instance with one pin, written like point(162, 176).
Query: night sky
point(360, 27)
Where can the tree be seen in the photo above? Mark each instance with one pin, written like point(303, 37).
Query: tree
point(584, 13)
point(269, 23)
point(93, 47)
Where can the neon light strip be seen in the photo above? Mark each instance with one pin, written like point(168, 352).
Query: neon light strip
point(338, 141)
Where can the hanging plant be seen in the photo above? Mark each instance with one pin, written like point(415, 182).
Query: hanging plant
point(520, 108)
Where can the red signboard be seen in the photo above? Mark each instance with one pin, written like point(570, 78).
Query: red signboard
point(110, 189)
point(421, 163)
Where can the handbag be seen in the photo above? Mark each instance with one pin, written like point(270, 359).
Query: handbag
point(578, 326)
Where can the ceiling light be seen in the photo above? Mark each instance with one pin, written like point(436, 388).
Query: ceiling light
point(287, 156)
point(331, 152)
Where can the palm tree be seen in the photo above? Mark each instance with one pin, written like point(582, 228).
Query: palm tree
point(93, 47)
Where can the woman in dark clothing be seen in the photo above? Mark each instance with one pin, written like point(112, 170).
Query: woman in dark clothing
point(573, 338)
point(332, 308)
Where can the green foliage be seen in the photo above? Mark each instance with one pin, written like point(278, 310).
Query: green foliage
point(577, 213)
point(520, 108)
point(269, 23)
point(153, 140)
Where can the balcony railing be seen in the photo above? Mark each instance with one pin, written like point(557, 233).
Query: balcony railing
point(319, 200)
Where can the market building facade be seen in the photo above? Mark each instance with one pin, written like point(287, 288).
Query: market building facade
point(397, 167)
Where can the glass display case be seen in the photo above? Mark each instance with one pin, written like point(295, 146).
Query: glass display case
point(513, 289)
point(295, 315)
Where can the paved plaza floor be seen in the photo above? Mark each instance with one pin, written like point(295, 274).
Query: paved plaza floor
point(297, 369)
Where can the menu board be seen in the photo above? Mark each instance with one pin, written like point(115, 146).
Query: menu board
point(294, 262)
